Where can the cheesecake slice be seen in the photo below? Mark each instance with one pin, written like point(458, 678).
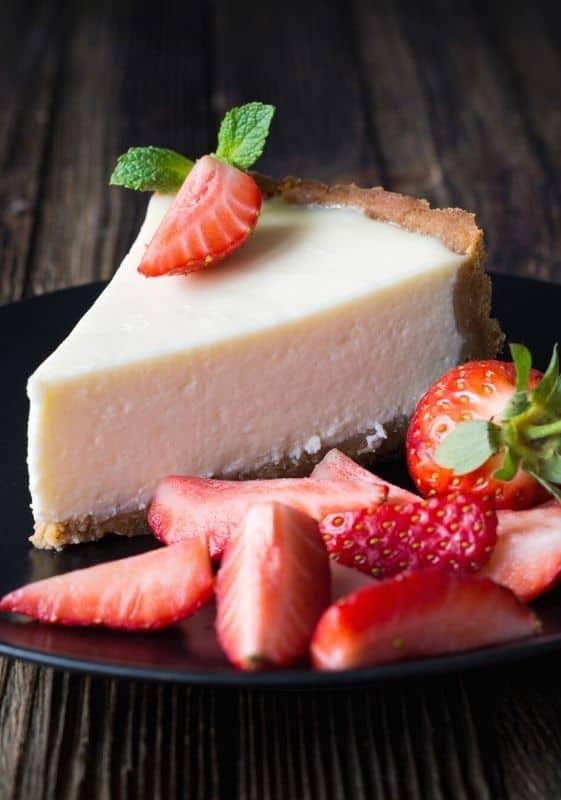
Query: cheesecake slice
point(322, 331)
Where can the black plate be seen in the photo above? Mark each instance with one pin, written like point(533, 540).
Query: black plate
point(528, 311)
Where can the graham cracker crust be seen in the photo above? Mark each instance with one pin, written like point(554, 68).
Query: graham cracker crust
point(454, 227)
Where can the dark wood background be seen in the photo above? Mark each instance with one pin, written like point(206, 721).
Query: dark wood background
point(458, 102)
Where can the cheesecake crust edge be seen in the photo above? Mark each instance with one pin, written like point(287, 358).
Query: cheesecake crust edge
point(55, 535)
point(455, 228)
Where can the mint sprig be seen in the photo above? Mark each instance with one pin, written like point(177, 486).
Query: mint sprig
point(243, 133)
point(241, 139)
point(151, 169)
point(527, 434)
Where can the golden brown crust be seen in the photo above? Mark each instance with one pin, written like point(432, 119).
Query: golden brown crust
point(56, 535)
point(455, 228)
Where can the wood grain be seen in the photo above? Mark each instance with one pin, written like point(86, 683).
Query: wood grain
point(457, 102)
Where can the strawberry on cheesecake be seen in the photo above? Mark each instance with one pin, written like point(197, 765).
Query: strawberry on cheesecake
point(324, 329)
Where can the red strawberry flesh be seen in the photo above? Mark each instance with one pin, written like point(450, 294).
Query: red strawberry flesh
point(335, 465)
point(148, 591)
point(273, 585)
point(527, 556)
point(213, 213)
point(419, 613)
point(211, 509)
point(457, 533)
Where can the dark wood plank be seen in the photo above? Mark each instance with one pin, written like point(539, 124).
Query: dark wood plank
point(30, 61)
point(477, 124)
point(397, 105)
point(534, 81)
point(301, 59)
point(115, 91)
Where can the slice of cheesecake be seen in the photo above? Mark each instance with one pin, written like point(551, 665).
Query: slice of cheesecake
point(322, 331)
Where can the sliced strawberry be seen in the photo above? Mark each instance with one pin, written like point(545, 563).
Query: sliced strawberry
point(149, 591)
point(527, 556)
point(346, 580)
point(272, 587)
point(457, 533)
point(335, 465)
point(419, 613)
point(187, 507)
point(213, 213)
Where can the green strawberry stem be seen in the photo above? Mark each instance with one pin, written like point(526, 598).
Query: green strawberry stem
point(543, 431)
point(527, 433)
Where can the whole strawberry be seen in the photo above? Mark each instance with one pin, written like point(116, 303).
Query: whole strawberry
point(492, 429)
point(457, 533)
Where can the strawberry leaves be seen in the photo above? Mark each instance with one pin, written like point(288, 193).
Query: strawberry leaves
point(468, 446)
point(527, 432)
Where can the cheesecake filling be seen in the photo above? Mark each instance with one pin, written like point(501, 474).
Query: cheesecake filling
point(325, 325)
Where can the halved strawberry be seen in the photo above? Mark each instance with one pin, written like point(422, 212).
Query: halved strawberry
point(335, 465)
point(527, 556)
point(420, 613)
point(272, 587)
point(456, 532)
point(213, 213)
point(149, 591)
point(187, 507)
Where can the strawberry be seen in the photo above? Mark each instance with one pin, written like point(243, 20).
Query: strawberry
point(490, 428)
point(213, 213)
point(335, 465)
point(272, 587)
point(187, 507)
point(457, 533)
point(527, 556)
point(418, 613)
point(149, 591)
point(346, 580)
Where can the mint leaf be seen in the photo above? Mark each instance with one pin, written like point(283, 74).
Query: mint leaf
point(523, 363)
point(151, 169)
point(468, 446)
point(243, 133)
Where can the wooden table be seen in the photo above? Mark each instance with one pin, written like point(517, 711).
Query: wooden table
point(459, 103)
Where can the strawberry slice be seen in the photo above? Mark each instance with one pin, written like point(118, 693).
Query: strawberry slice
point(457, 533)
point(149, 591)
point(213, 213)
point(272, 587)
point(419, 613)
point(187, 507)
point(527, 556)
point(335, 465)
point(346, 580)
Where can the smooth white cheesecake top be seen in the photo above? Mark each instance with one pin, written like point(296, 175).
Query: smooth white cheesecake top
point(300, 261)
